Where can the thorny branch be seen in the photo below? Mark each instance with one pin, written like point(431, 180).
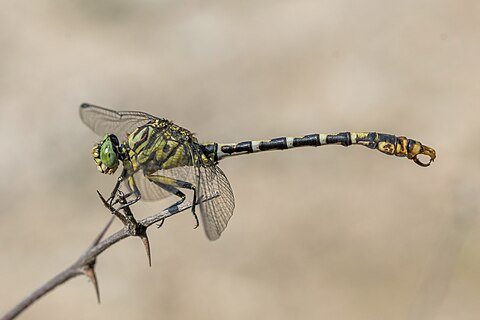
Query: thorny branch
point(86, 262)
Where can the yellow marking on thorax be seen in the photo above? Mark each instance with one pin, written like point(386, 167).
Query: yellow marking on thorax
point(136, 150)
point(136, 135)
point(177, 158)
point(169, 150)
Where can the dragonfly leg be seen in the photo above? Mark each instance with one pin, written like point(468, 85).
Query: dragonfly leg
point(132, 191)
point(159, 225)
point(172, 186)
point(126, 196)
point(113, 194)
point(130, 202)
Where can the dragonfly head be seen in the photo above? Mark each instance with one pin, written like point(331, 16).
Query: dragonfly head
point(106, 154)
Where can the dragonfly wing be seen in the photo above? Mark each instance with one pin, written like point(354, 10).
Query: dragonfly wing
point(150, 191)
point(105, 121)
point(217, 211)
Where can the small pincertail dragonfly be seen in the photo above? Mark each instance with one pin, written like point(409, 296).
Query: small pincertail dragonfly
point(161, 158)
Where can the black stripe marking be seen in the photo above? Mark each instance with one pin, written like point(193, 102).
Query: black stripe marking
point(411, 144)
point(153, 137)
point(166, 157)
point(227, 149)
point(343, 138)
point(245, 146)
point(142, 139)
point(210, 150)
point(277, 143)
point(388, 138)
point(308, 140)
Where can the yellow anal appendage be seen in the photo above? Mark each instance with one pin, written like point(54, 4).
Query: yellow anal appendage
point(424, 150)
point(408, 148)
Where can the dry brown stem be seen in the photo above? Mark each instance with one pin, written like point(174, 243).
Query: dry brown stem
point(85, 264)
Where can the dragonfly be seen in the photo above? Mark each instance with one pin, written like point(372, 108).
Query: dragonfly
point(161, 159)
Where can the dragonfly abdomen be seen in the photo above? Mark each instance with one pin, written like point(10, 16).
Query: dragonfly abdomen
point(386, 143)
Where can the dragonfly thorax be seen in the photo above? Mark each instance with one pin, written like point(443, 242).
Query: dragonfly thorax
point(107, 154)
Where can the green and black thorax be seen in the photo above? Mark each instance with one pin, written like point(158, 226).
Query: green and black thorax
point(158, 145)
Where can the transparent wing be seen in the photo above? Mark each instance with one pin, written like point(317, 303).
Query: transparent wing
point(150, 191)
point(216, 212)
point(105, 121)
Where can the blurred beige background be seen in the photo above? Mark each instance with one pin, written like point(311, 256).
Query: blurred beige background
point(327, 233)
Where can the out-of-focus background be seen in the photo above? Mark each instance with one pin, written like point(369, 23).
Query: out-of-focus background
point(330, 233)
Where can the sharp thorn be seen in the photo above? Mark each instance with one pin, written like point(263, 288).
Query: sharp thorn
point(146, 244)
point(89, 271)
point(112, 210)
point(105, 203)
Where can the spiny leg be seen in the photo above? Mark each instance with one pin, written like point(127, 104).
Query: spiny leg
point(126, 196)
point(130, 202)
point(159, 225)
point(182, 197)
point(132, 190)
point(117, 186)
point(172, 186)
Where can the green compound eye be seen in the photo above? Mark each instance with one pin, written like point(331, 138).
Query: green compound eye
point(108, 153)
